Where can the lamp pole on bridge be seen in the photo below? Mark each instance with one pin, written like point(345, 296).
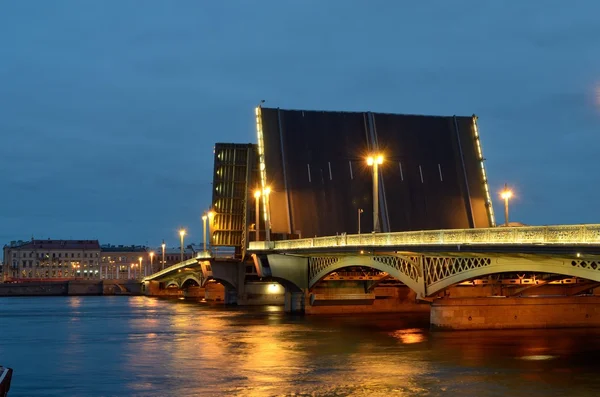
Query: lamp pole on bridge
point(181, 234)
point(374, 161)
point(266, 194)
point(204, 232)
point(257, 210)
point(506, 195)
point(163, 245)
point(211, 218)
point(151, 262)
point(360, 211)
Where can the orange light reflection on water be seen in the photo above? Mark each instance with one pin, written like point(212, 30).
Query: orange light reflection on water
point(409, 336)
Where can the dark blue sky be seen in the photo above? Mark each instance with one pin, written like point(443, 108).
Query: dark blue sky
point(109, 109)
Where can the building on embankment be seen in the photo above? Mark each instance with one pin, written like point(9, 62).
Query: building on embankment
point(51, 259)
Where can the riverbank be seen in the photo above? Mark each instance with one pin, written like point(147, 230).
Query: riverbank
point(72, 288)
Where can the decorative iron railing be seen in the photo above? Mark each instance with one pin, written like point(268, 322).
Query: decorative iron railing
point(559, 234)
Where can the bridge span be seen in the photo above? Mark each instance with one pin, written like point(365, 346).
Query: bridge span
point(497, 262)
point(431, 261)
point(427, 267)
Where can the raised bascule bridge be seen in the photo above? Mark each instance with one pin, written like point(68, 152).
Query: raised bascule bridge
point(367, 212)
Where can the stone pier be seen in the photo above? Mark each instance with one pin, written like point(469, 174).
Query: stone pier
point(522, 312)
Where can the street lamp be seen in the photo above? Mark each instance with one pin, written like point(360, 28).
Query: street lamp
point(151, 262)
point(257, 200)
point(140, 259)
point(163, 245)
point(374, 161)
point(360, 211)
point(506, 194)
point(266, 199)
point(211, 218)
point(204, 231)
point(181, 234)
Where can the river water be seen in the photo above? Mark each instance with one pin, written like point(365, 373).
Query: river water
point(139, 346)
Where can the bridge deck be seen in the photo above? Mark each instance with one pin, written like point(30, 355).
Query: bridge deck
point(560, 238)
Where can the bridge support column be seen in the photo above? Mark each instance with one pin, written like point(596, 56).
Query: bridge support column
point(230, 297)
point(294, 301)
point(494, 313)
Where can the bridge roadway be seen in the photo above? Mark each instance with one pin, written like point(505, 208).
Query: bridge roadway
point(431, 261)
point(428, 262)
point(199, 271)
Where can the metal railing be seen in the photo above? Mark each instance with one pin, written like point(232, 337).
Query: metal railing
point(559, 234)
point(176, 266)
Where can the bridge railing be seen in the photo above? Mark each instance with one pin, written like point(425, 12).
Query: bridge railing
point(559, 234)
point(169, 269)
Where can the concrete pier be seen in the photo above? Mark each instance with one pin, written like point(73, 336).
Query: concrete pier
point(294, 302)
point(379, 300)
point(522, 312)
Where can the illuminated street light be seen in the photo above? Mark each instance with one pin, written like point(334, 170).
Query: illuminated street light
point(140, 259)
point(151, 262)
point(132, 266)
point(181, 234)
point(257, 200)
point(267, 200)
point(204, 217)
point(506, 194)
point(360, 211)
point(374, 161)
point(211, 218)
point(163, 245)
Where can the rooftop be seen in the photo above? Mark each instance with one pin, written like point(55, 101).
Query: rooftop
point(123, 248)
point(56, 244)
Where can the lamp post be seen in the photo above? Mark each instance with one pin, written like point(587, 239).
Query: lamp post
point(163, 245)
point(204, 217)
point(266, 194)
point(211, 218)
point(360, 211)
point(506, 195)
point(181, 234)
point(257, 210)
point(374, 161)
point(140, 259)
point(151, 262)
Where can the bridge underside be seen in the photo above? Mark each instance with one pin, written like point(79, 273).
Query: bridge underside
point(397, 281)
point(428, 274)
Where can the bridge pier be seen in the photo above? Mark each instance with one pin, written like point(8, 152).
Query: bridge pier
point(294, 301)
point(510, 313)
point(231, 296)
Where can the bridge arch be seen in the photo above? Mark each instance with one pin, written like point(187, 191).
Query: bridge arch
point(446, 272)
point(403, 268)
point(191, 281)
point(171, 283)
point(224, 282)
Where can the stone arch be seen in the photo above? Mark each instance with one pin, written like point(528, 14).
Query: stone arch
point(403, 268)
point(227, 284)
point(171, 283)
point(436, 281)
point(190, 281)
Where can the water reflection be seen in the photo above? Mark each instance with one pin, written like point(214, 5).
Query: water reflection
point(74, 301)
point(408, 336)
point(152, 347)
